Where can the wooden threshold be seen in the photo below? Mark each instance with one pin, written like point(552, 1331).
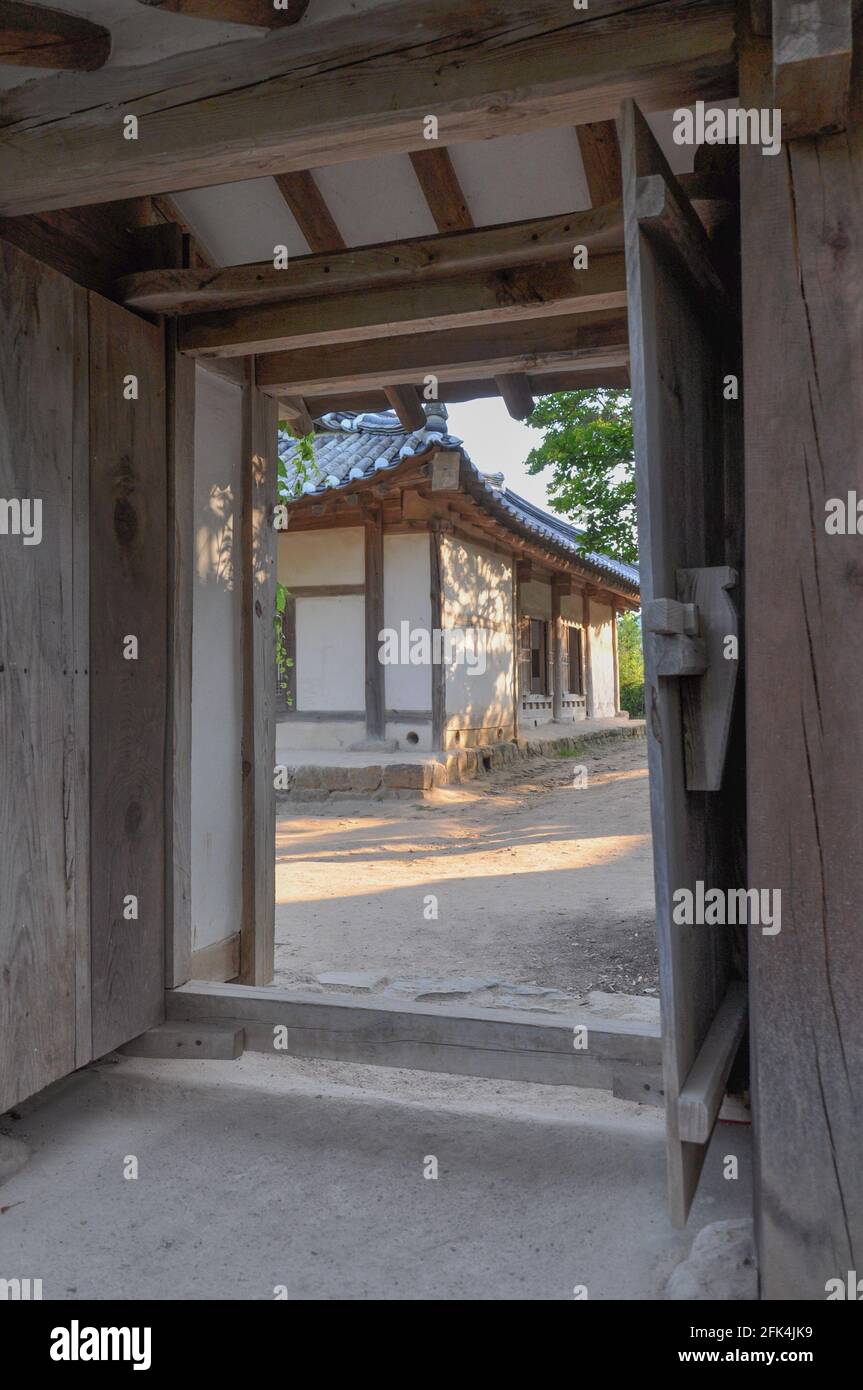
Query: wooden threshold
point(500, 1044)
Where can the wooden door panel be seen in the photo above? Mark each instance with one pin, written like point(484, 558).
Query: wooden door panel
point(44, 926)
point(679, 346)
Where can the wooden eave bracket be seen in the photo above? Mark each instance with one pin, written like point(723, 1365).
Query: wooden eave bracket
point(690, 641)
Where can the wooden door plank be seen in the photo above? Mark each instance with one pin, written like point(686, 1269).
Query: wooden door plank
point(44, 739)
point(128, 698)
point(802, 218)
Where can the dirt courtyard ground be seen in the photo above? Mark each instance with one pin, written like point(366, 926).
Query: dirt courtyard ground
point(527, 889)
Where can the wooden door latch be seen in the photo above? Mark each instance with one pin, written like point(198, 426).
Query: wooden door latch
point(695, 637)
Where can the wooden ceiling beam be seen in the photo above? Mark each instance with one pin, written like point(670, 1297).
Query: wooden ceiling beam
point(555, 344)
point(600, 155)
point(405, 401)
point(313, 217)
point(540, 239)
point(472, 300)
point(348, 89)
point(514, 387)
point(442, 191)
point(260, 13)
point(34, 36)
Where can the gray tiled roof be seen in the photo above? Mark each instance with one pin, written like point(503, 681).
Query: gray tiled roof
point(349, 447)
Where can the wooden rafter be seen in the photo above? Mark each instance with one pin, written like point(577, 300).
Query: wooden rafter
point(515, 389)
point(34, 36)
point(600, 155)
point(556, 344)
point(459, 301)
point(541, 239)
point(442, 191)
point(261, 13)
point(451, 392)
point(405, 401)
point(319, 94)
point(313, 217)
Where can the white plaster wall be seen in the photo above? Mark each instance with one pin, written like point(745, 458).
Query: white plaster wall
point(601, 661)
point(331, 653)
point(216, 669)
point(332, 556)
point(407, 598)
point(477, 588)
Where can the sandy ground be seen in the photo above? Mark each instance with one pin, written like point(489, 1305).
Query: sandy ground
point(261, 1173)
point(538, 882)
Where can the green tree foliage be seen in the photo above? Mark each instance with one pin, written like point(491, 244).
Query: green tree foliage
point(588, 447)
point(631, 664)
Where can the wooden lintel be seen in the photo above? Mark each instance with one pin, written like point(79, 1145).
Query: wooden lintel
point(557, 343)
point(539, 239)
point(347, 89)
point(471, 300)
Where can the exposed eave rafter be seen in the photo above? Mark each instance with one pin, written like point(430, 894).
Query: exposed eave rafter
point(35, 36)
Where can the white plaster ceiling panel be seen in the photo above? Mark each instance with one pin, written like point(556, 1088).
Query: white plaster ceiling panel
point(375, 200)
point(242, 222)
point(533, 174)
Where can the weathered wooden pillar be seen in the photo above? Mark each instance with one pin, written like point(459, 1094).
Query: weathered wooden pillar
point(258, 551)
point(615, 657)
point(588, 677)
point(374, 605)
point(802, 248)
point(438, 669)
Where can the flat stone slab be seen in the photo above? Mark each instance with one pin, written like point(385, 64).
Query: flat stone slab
point(353, 979)
point(635, 1008)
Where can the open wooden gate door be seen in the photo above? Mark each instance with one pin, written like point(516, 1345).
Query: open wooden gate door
point(684, 345)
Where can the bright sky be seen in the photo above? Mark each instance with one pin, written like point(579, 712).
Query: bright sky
point(498, 444)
